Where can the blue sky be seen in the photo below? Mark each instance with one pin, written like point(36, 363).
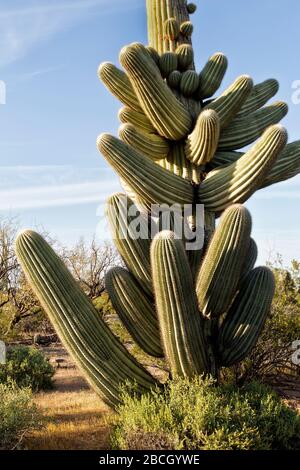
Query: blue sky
point(51, 174)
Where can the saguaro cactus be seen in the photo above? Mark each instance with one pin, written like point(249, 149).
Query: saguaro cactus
point(202, 309)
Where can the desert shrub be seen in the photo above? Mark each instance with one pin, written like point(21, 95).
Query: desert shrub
point(27, 367)
point(18, 415)
point(197, 414)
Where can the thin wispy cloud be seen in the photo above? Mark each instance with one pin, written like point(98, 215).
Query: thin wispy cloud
point(38, 73)
point(22, 29)
point(54, 186)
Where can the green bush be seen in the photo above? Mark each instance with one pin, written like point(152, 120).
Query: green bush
point(197, 414)
point(18, 415)
point(27, 367)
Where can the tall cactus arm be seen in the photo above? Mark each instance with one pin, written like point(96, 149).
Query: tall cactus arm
point(246, 317)
point(149, 181)
point(235, 183)
point(102, 358)
point(135, 310)
point(287, 165)
point(221, 268)
point(151, 145)
point(164, 21)
point(245, 130)
point(202, 143)
point(211, 76)
point(169, 117)
point(132, 242)
point(259, 96)
point(180, 321)
point(230, 102)
point(119, 85)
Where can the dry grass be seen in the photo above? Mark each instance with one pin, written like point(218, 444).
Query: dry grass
point(75, 418)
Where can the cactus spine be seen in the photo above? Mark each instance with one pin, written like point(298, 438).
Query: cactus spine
point(203, 309)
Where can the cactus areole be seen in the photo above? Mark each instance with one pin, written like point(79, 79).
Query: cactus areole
point(202, 307)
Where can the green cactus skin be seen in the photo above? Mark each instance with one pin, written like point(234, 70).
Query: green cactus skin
point(134, 251)
point(189, 82)
point(167, 63)
point(224, 158)
point(171, 29)
point(191, 8)
point(246, 317)
point(154, 54)
point(202, 144)
point(187, 28)
point(174, 79)
point(139, 120)
point(235, 183)
point(159, 13)
point(101, 357)
point(245, 130)
point(185, 55)
point(151, 145)
point(212, 75)
point(259, 96)
point(287, 165)
point(180, 321)
point(177, 163)
point(250, 259)
point(144, 176)
point(134, 309)
point(168, 116)
point(119, 85)
point(230, 102)
point(221, 268)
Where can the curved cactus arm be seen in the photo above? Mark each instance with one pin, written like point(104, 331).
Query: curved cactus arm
point(235, 183)
point(202, 143)
point(245, 130)
point(179, 319)
point(287, 165)
point(117, 82)
point(131, 235)
point(246, 317)
point(137, 119)
point(230, 102)
point(212, 75)
point(221, 268)
point(259, 96)
point(151, 145)
point(135, 310)
point(102, 358)
point(169, 117)
point(149, 181)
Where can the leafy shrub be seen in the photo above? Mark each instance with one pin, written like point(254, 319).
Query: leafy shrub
point(18, 415)
point(196, 414)
point(27, 367)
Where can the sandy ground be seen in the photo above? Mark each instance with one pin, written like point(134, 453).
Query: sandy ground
point(75, 418)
